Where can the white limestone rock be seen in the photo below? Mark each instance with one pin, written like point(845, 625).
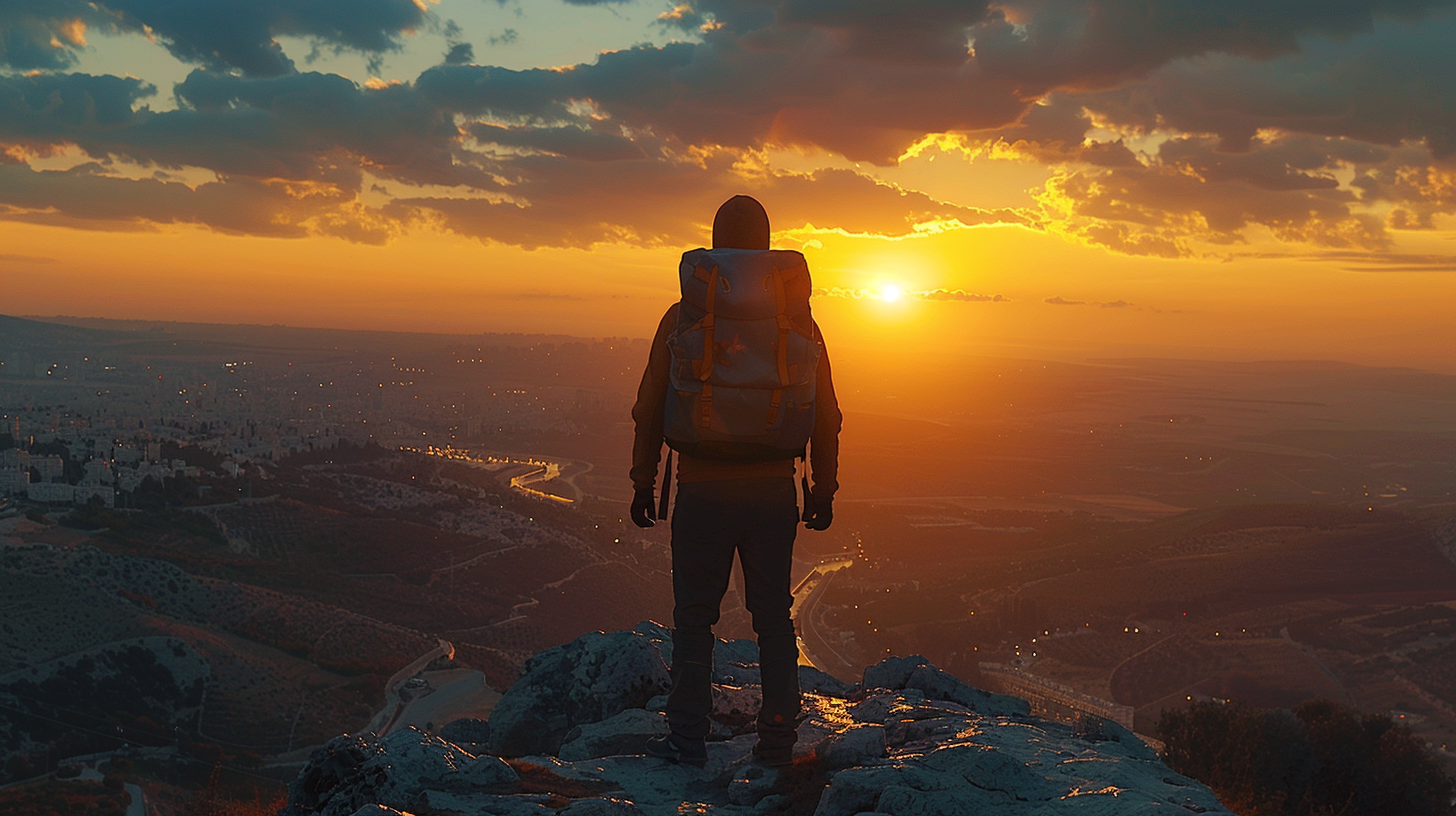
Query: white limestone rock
point(933, 746)
point(818, 682)
point(623, 733)
point(485, 773)
point(585, 681)
point(735, 708)
point(350, 772)
point(600, 806)
point(861, 745)
point(751, 784)
point(915, 672)
point(482, 804)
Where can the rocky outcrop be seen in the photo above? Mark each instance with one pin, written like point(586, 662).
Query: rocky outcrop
point(585, 681)
point(351, 774)
point(910, 740)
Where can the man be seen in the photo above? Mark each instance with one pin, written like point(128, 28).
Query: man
point(726, 506)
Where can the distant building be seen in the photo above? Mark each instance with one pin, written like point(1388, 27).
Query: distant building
point(50, 492)
point(14, 482)
point(83, 494)
point(51, 468)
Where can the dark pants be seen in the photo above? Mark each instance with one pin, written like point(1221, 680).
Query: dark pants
point(758, 519)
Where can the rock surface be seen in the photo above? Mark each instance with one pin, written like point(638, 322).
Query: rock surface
point(912, 740)
point(585, 681)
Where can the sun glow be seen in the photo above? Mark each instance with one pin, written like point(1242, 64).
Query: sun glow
point(890, 293)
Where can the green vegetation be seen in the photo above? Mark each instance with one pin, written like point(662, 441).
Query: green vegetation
point(145, 525)
point(1321, 758)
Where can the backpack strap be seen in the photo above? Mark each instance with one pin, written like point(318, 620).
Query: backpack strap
point(666, 486)
point(785, 326)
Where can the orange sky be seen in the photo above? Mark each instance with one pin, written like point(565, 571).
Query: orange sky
point(1151, 203)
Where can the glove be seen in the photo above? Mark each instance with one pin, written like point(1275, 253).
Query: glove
point(644, 508)
point(818, 512)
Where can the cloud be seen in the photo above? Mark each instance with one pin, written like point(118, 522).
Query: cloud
point(569, 184)
point(1392, 83)
point(1089, 44)
point(85, 197)
point(657, 201)
point(1318, 123)
point(959, 296)
point(219, 34)
point(460, 53)
point(1060, 301)
point(1190, 191)
point(1377, 261)
point(570, 141)
point(1116, 304)
point(43, 110)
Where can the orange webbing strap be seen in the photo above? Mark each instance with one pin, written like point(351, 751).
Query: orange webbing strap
point(705, 405)
point(704, 367)
point(773, 408)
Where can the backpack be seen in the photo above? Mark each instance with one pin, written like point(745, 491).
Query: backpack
point(744, 357)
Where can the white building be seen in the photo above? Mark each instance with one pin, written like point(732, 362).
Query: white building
point(84, 493)
point(14, 482)
point(50, 492)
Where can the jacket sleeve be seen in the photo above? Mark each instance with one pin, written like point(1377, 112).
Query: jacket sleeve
point(648, 410)
point(824, 441)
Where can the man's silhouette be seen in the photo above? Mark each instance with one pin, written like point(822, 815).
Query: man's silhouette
point(726, 506)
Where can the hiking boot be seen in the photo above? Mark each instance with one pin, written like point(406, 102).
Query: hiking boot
point(774, 753)
point(678, 750)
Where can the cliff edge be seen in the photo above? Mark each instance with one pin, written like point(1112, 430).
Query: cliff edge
point(909, 740)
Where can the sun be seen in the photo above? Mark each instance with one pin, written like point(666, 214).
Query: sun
point(890, 293)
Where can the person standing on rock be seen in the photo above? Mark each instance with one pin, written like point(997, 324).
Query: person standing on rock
point(738, 385)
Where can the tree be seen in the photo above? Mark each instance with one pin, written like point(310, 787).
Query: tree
point(1322, 758)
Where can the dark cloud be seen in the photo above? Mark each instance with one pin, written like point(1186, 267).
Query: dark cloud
point(46, 35)
point(46, 109)
point(655, 201)
point(219, 34)
point(84, 197)
point(1206, 119)
point(1115, 304)
point(1061, 301)
point(1082, 44)
point(799, 82)
point(1393, 84)
point(461, 53)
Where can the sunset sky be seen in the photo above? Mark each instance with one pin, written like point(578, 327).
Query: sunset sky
point(1239, 179)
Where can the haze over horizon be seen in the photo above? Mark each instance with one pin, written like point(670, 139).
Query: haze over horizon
point(1051, 180)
